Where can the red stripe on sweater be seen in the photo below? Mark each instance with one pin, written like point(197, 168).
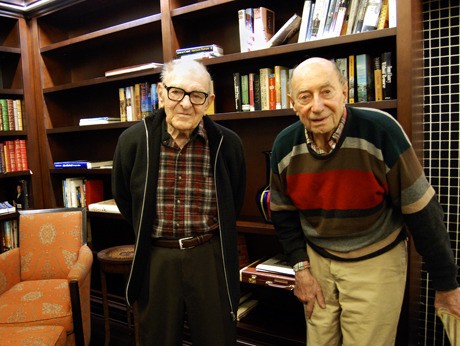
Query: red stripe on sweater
point(335, 190)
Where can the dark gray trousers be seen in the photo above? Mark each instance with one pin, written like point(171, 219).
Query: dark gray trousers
point(186, 284)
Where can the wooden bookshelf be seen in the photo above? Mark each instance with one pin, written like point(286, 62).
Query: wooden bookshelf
point(56, 61)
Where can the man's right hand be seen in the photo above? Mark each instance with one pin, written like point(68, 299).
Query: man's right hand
point(308, 290)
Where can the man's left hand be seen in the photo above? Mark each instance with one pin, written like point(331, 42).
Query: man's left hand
point(449, 300)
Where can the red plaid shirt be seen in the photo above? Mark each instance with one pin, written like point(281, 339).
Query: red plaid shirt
point(186, 195)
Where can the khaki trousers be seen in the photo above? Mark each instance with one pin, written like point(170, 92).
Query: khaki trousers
point(363, 299)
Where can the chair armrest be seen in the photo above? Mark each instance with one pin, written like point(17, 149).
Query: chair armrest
point(10, 269)
point(82, 268)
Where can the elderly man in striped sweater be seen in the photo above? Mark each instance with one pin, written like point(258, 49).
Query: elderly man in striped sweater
point(346, 186)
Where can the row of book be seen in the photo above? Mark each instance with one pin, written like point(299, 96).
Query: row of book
point(370, 78)
point(319, 19)
point(137, 101)
point(78, 192)
point(265, 89)
point(332, 18)
point(11, 115)
point(8, 235)
point(13, 156)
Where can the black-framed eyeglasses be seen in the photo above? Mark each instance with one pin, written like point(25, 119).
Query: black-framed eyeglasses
point(177, 94)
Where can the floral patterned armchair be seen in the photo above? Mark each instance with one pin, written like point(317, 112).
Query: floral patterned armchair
point(46, 280)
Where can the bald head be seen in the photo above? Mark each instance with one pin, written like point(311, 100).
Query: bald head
point(316, 63)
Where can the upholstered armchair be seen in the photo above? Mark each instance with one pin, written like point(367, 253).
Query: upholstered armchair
point(46, 280)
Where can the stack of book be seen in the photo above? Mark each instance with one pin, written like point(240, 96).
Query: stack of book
point(208, 51)
point(6, 208)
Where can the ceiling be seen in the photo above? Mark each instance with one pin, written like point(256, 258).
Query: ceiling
point(23, 5)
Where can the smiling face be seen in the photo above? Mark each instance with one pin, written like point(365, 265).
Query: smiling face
point(318, 97)
point(182, 117)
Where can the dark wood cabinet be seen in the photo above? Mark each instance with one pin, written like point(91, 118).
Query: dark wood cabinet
point(57, 59)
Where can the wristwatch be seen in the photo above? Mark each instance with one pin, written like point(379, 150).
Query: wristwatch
point(301, 266)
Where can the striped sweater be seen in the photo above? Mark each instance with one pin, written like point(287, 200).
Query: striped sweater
point(368, 187)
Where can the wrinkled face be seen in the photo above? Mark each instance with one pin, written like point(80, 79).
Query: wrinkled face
point(318, 96)
point(183, 116)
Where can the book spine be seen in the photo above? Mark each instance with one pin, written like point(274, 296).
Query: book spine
point(237, 89)
point(251, 90)
point(387, 76)
point(71, 164)
point(5, 121)
point(242, 30)
point(364, 78)
point(122, 99)
point(264, 25)
point(271, 92)
point(10, 110)
point(257, 93)
point(20, 115)
point(284, 81)
point(264, 88)
point(378, 79)
point(304, 24)
point(245, 93)
point(351, 79)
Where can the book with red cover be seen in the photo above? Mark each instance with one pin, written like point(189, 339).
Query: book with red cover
point(94, 189)
point(249, 274)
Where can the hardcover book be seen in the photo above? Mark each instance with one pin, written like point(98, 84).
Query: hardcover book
point(83, 164)
point(304, 21)
point(372, 15)
point(264, 87)
point(287, 31)
point(387, 76)
point(377, 79)
point(245, 93)
point(281, 80)
point(237, 90)
point(351, 79)
point(264, 26)
point(364, 78)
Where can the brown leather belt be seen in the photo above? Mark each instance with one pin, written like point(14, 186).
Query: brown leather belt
point(183, 243)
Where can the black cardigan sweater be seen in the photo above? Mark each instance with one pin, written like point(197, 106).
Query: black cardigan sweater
point(134, 184)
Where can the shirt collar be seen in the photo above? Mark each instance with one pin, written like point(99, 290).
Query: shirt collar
point(198, 133)
point(333, 140)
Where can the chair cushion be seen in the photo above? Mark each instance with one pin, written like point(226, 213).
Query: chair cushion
point(35, 335)
point(49, 244)
point(51, 304)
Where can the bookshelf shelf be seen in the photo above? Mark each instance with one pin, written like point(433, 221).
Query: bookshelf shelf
point(134, 26)
point(10, 50)
point(89, 128)
point(11, 92)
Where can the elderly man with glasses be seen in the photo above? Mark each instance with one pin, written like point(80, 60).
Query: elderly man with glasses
point(179, 179)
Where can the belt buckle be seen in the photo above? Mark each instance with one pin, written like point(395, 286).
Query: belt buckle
point(181, 244)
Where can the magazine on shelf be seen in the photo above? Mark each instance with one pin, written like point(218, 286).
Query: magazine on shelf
point(133, 68)
point(98, 120)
